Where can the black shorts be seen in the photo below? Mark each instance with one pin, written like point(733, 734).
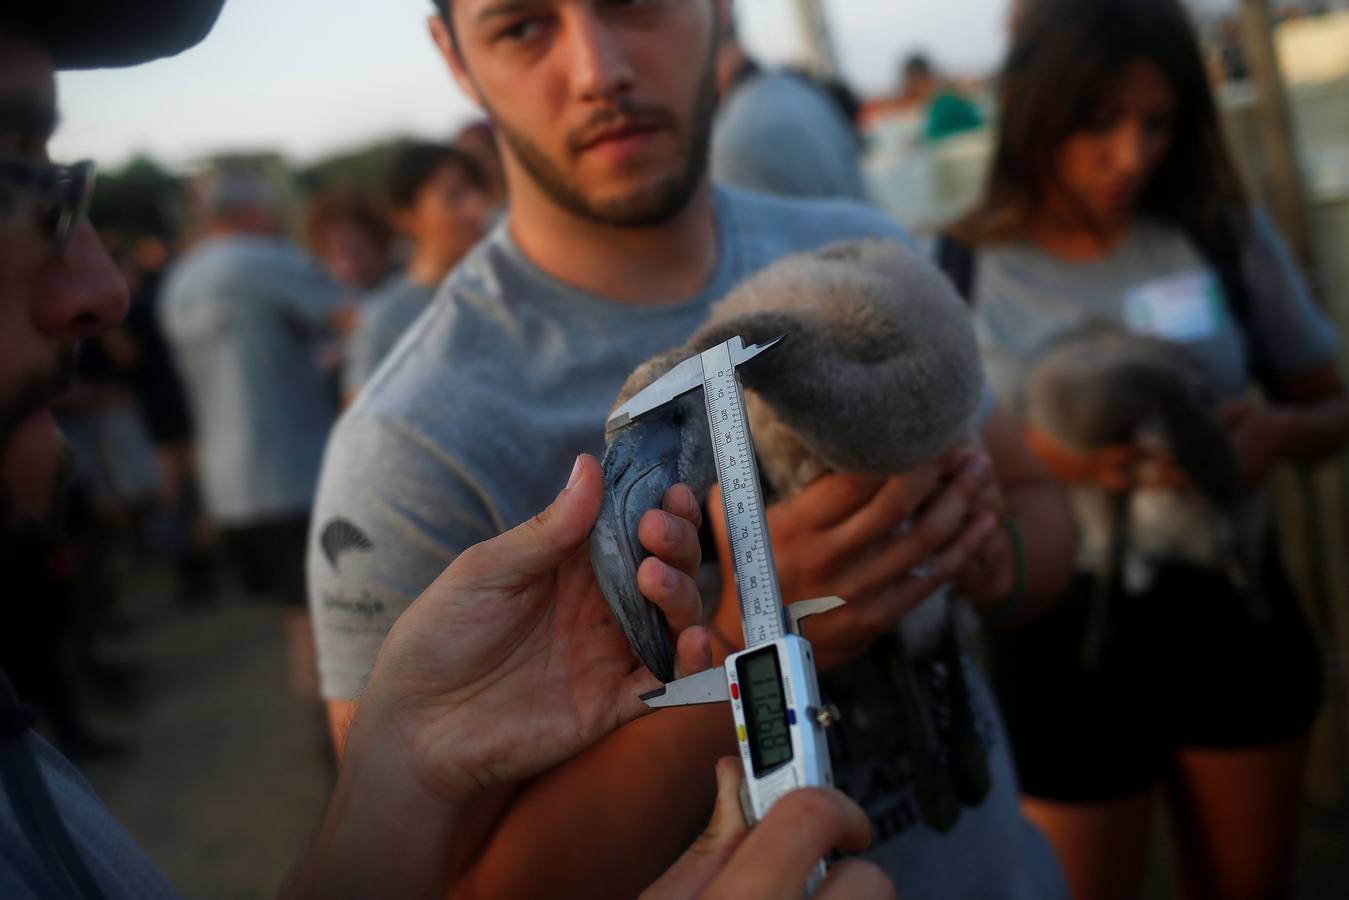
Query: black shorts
point(269, 558)
point(1185, 666)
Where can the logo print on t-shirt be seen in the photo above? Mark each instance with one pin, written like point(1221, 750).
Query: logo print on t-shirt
point(341, 536)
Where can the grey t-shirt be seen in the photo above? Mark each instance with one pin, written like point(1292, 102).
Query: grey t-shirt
point(384, 316)
point(1155, 282)
point(780, 134)
point(471, 426)
point(245, 316)
point(121, 870)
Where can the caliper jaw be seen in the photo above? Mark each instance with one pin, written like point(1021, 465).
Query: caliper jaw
point(710, 685)
point(801, 610)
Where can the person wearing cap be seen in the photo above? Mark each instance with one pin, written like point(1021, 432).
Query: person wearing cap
point(549, 673)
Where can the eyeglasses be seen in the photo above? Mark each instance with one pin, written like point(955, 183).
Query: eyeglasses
point(63, 190)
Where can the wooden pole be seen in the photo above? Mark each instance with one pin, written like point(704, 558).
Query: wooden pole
point(820, 60)
point(1282, 172)
point(1326, 781)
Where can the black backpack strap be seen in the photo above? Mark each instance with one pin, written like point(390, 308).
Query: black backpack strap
point(35, 811)
point(957, 261)
point(1226, 265)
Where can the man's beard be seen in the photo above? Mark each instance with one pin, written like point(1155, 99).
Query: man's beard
point(25, 535)
point(650, 206)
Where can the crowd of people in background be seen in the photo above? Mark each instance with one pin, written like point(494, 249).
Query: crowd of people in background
point(474, 310)
point(199, 422)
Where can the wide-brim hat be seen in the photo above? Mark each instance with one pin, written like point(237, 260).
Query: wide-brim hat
point(95, 34)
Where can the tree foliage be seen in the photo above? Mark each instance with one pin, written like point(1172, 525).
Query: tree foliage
point(142, 198)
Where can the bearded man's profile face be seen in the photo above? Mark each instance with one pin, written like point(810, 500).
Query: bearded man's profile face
point(51, 296)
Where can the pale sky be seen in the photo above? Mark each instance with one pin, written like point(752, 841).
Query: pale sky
point(311, 76)
point(308, 77)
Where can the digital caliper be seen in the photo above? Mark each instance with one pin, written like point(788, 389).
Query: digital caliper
point(771, 684)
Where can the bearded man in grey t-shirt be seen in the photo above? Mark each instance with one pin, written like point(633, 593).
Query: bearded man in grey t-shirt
point(614, 248)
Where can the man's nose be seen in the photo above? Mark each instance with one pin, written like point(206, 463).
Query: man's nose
point(600, 68)
point(81, 293)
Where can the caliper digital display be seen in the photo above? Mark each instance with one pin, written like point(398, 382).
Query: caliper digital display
point(765, 706)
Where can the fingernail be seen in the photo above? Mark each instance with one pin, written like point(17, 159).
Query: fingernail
point(575, 473)
point(690, 501)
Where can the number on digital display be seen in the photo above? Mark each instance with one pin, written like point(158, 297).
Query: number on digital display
point(770, 739)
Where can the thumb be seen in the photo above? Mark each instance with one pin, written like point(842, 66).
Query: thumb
point(707, 856)
point(544, 542)
point(728, 826)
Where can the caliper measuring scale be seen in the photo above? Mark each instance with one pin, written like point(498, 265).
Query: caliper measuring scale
point(771, 684)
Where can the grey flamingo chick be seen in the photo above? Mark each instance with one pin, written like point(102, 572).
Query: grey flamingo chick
point(879, 372)
point(1128, 422)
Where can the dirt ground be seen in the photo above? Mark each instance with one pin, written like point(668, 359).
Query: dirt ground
point(229, 771)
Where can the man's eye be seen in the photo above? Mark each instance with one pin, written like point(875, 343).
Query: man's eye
point(519, 31)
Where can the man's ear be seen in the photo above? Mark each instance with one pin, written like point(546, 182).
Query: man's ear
point(440, 36)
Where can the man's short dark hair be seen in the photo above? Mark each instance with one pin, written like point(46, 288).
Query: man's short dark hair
point(415, 163)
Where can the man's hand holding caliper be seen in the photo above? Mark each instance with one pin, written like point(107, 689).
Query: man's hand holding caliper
point(539, 671)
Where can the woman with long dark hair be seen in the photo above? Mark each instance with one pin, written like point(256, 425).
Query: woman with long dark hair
point(1112, 198)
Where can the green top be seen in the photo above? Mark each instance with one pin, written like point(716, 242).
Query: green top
point(948, 114)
